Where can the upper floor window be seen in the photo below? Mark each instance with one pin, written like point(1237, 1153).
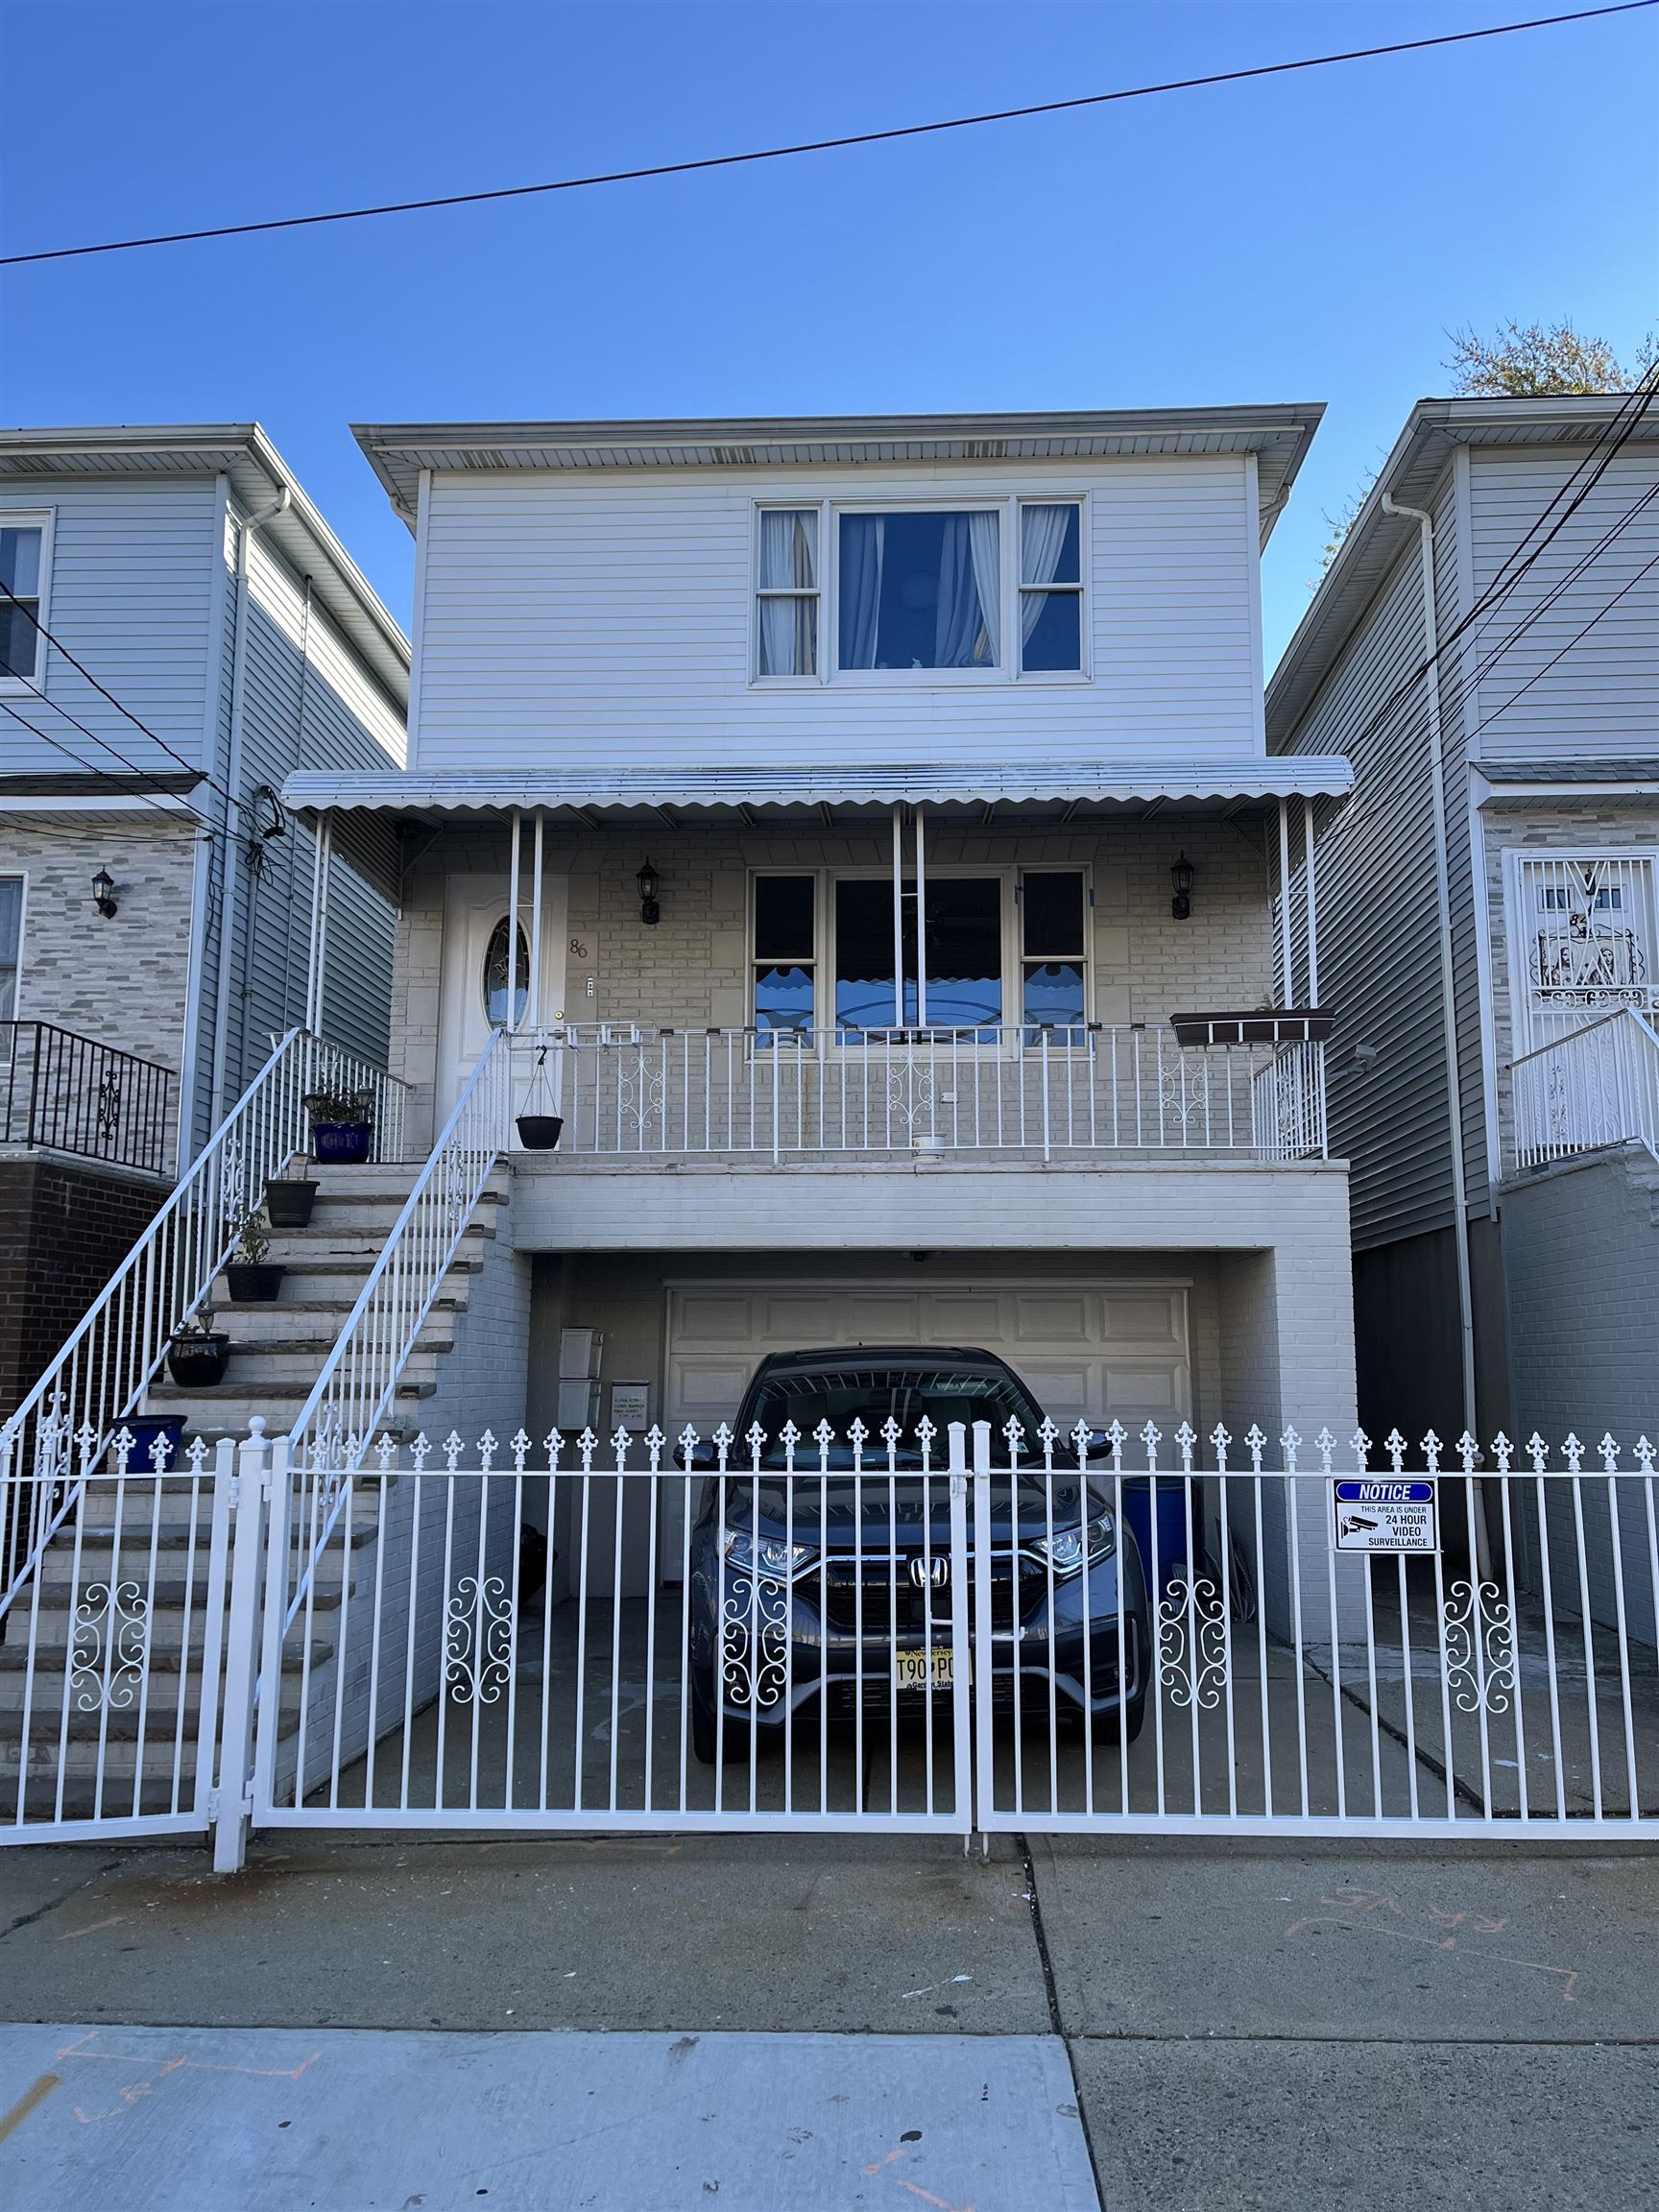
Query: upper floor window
point(920, 591)
point(787, 597)
point(915, 589)
point(1050, 587)
point(22, 601)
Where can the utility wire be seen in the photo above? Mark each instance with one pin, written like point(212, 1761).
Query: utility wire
point(1645, 569)
point(1635, 404)
point(161, 743)
point(822, 145)
point(181, 809)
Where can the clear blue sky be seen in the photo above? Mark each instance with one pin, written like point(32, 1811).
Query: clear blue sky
point(1301, 238)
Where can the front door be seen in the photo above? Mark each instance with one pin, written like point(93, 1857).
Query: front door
point(475, 992)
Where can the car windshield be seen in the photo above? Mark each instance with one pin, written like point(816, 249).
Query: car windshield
point(875, 1395)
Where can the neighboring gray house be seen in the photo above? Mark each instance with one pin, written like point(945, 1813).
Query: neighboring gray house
point(1541, 536)
point(212, 637)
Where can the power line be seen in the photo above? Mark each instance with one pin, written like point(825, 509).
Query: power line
point(821, 145)
point(182, 810)
point(58, 646)
point(1645, 569)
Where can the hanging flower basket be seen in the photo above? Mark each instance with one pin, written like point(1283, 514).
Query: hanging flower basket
point(539, 1127)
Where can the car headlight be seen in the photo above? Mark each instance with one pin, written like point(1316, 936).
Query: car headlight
point(770, 1556)
point(1067, 1548)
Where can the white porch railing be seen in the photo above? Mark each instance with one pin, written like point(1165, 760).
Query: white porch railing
point(1598, 1085)
point(349, 1398)
point(1094, 1088)
point(100, 1376)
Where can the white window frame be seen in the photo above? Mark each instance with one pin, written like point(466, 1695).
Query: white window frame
point(1009, 873)
point(820, 593)
point(830, 675)
point(20, 877)
point(39, 518)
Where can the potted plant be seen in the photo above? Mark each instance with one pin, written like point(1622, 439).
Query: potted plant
point(197, 1356)
point(289, 1200)
point(144, 1428)
point(252, 1279)
point(341, 1124)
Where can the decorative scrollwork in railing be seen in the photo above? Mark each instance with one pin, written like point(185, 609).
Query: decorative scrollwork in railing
point(478, 1640)
point(1480, 1663)
point(755, 1642)
point(1192, 1643)
point(640, 1094)
point(109, 1647)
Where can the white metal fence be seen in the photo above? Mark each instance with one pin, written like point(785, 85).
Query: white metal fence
point(1094, 1087)
point(911, 1630)
point(1596, 1085)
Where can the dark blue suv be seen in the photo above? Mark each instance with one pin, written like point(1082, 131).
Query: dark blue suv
point(821, 1562)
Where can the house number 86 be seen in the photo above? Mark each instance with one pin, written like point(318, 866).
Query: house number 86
point(579, 948)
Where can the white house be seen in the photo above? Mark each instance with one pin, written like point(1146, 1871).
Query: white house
point(837, 812)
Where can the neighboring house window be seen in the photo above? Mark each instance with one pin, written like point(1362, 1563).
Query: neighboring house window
point(920, 591)
point(23, 601)
point(785, 952)
point(495, 980)
point(10, 945)
point(1051, 588)
point(786, 596)
point(1053, 973)
point(1586, 935)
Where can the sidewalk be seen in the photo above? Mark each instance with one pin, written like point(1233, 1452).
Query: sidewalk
point(1323, 2024)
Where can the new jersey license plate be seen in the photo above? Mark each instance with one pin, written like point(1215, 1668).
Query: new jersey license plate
point(922, 1669)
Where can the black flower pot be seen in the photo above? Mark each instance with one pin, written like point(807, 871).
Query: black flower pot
point(540, 1132)
point(288, 1202)
point(252, 1285)
point(343, 1143)
point(199, 1362)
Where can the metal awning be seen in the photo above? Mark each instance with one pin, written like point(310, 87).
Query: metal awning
point(592, 794)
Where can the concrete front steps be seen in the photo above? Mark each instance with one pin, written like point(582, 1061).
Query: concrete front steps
point(278, 1349)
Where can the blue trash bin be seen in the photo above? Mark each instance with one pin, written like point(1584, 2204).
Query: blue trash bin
point(1173, 1537)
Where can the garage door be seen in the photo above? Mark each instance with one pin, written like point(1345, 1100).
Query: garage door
point(1102, 1350)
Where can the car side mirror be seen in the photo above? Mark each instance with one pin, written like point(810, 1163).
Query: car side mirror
point(703, 1454)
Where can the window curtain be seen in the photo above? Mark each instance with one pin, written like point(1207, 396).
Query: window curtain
point(1042, 541)
point(967, 630)
point(863, 549)
point(786, 624)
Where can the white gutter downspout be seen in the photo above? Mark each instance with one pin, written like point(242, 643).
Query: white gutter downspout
point(1443, 906)
point(232, 778)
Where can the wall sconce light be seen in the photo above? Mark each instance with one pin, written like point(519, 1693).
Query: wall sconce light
point(1180, 877)
point(650, 912)
point(104, 894)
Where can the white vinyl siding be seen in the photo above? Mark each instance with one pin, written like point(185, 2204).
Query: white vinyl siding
point(1602, 698)
point(132, 596)
point(565, 612)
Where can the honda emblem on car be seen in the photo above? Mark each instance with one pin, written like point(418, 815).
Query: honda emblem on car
point(936, 1570)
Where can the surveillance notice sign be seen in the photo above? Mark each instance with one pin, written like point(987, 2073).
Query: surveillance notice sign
point(1384, 1513)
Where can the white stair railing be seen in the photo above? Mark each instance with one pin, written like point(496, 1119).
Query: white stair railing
point(1596, 1085)
point(99, 1379)
point(338, 1421)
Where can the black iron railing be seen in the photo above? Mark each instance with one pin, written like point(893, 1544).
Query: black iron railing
point(70, 1093)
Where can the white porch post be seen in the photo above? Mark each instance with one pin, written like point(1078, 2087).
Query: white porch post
point(321, 857)
point(897, 915)
point(512, 928)
point(1313, 902)
point(920, 924)
point(536, 926)
point(1285, 902)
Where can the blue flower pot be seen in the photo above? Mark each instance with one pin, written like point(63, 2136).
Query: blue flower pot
point(344, 1143)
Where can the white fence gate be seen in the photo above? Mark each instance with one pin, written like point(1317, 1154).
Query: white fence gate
point(900, 1630)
